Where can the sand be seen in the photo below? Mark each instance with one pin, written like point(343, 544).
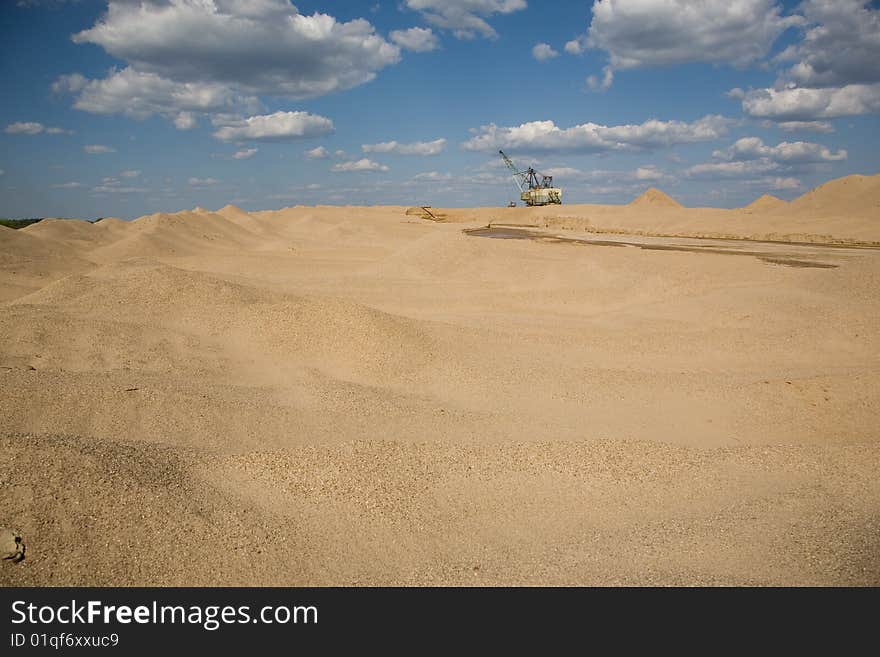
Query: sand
point(360, 396)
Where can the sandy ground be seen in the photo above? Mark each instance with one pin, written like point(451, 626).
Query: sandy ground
point(360, 396)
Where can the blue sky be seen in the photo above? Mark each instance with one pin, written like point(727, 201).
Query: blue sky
point(136, 106)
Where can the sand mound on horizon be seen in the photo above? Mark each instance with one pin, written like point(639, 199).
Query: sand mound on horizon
point(177, 234)
point(766, 202)
point(77, 235)
point(655, 197)
point(348, 396)
point(855, 194)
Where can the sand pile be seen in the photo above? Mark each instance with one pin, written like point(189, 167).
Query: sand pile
point(654, 197)
point(766, 202)
point(178, 234)
point(321, 395)
point(858, 195)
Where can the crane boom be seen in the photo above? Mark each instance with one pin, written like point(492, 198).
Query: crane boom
point(519, 177)
point(530, 190)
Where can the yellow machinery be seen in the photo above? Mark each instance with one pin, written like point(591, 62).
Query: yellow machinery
point(531, 190)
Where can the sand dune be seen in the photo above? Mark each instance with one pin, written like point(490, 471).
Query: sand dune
point(322, 395)
point(654, 197)
point(766, 202)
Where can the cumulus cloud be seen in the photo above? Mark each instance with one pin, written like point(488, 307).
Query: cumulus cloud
point(140, 95)
point(543, 51)
point(840, 45)
point(186, 57)
point(245, 153)
point(798, 152)
point(750, 158)
point(415, 148)
point(131, 173)
point(264, 47)
point(576, 46)
point(318, 153)
point(33, 128)
point(546, 136)
point(831, 72)
point(97, 149)
point(203, 182)
point(416, 39)
point(466, 18)
point(809, 104)
point(650, 33)
point(67, 185)
point(280, 126)
point(363, 164)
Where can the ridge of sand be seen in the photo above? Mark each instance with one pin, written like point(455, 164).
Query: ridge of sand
point(343, 396)
point(77, 235)
point(856, 194)
point(653, 196)
point(177, 234)
point(766, 202)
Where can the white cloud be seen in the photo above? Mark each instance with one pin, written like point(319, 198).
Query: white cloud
point(576, 46)
point(833, 69)
point(807, 104)
point(318, 153)
point(563, 172)
point(130, 173)
point(142, 94)
point(67, 185)
point(650, 33)
point(185, 121)
point(801, 126)
point(544, 51)
point(433, 176)
point(415, 148)
point(111, 185)
point(24, 128)
point(594, 83)
point(840, 45)
point(113, 189)
point(545, 136)
point(416, 39)
point(264, 47)
point(649, 172)
point(245, 153)
point(280, 126)
point(740, 169)
point(2, 172)
point(783, 183)
point(97, 149)
point(466, 18)
point(203, 182)
point(798, 152)
point(363, 164)
point(33, 128)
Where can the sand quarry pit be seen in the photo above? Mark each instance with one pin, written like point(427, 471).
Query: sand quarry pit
point(631, 395)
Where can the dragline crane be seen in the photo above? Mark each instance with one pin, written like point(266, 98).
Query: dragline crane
point(531, 190)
